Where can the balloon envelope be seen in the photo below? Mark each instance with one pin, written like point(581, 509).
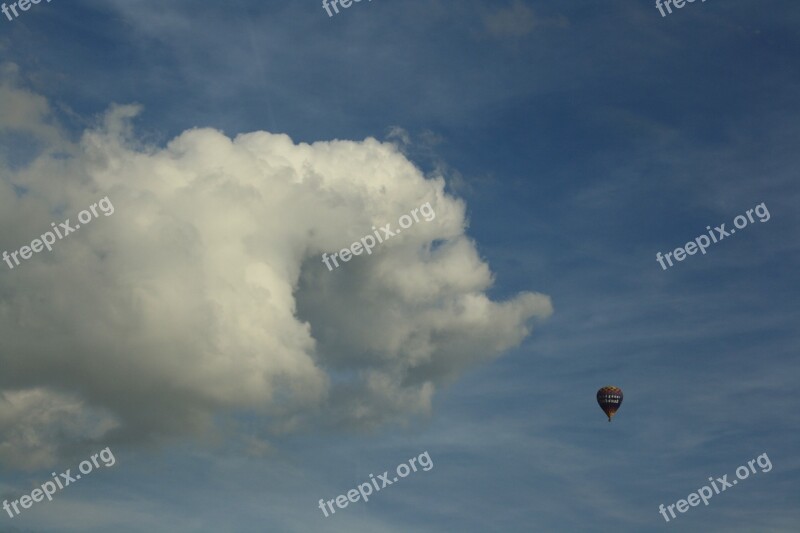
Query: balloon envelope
point(609, 398)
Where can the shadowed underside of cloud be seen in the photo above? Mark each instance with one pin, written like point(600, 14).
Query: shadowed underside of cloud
point(204, 294)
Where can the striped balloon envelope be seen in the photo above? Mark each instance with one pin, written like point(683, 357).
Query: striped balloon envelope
point(609, 398)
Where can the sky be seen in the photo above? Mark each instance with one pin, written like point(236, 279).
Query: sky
point(194, 336)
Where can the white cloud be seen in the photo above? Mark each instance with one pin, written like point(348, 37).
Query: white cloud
point(35, 423)
point(204, 294)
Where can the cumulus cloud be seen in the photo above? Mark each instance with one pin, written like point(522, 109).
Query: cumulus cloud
point(204, 295)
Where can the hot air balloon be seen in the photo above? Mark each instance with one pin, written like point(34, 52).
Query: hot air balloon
point(609, 398)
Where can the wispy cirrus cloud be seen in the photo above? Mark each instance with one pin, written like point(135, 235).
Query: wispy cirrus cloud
point(519, 20)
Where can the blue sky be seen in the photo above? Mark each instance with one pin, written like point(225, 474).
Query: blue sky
point(582, 138)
